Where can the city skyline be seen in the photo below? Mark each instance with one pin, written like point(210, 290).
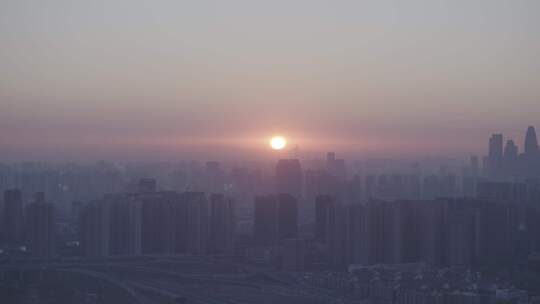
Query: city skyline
point(292, 152)
point(133, 232)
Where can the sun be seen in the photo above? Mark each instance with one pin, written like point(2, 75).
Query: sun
point(278, 142)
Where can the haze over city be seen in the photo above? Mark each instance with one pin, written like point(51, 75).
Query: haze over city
point(263, 152)
point(204, 79)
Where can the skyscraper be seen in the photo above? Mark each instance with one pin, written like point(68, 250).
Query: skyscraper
point(265, 220)
point(276, 218)
point(13, 216)
point(198, 218)
point(289, 177)
point(124, 225)
point(40, 233)
point(432, 247)
point(323, 204)
point(156, 224)
point(459, 221)
point(339, 234)
point(287, 216)
point(495, 153)
point(221, 224)
point(94, 229)
point(189, 222)
point(510, 151)
point(510, 157)
point(531, 143)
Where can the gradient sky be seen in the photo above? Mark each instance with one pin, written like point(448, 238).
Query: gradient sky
point(161, 79)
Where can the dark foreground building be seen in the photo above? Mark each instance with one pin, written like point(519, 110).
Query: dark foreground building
point(156, 223)
point(276, 218)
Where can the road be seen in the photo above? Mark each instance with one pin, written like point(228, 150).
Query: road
point(179, 279)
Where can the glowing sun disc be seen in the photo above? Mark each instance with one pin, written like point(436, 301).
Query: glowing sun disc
point(278, 142)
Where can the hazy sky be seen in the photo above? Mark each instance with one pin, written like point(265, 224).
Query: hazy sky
point(150, 79)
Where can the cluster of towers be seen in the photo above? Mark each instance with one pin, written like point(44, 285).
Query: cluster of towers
point(157, 222)
point(438, 232)
point(31, 227)
point(504, 160)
